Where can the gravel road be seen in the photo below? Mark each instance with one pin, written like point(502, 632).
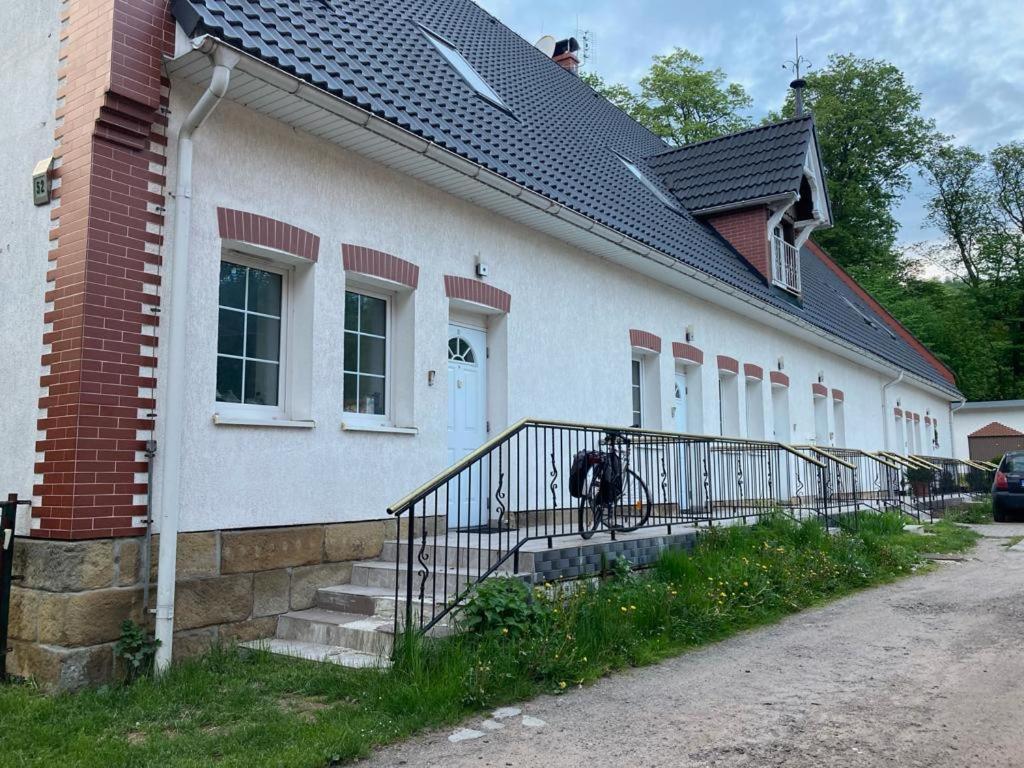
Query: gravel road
point(926, 672)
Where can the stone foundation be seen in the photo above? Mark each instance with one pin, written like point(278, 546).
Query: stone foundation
point(71, 596)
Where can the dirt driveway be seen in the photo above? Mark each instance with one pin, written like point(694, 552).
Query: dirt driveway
point(926, 672)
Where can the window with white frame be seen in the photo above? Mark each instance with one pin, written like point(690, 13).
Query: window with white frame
point(638, 391)
point(252, 312)
point(366, 354)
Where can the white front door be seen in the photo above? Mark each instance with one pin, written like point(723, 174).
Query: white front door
point(467, 422)
point(679, 424)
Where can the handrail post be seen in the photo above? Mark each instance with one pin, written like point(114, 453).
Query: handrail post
point(411, 535)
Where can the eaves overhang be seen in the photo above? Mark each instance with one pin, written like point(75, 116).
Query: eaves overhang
point(269, 91)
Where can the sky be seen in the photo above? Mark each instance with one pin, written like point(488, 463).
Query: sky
point(965, 57)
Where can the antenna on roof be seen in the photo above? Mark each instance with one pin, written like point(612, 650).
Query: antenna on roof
point(798, 83)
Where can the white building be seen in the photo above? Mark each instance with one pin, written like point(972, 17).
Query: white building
point(407, 230)
point(988, 428)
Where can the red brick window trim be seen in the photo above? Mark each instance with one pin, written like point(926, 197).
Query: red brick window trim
point(476, 292)
point(898, 413)
point(687, 353)
point(927, 420)
point(752, 371)
point(366, 261)
point(819, 390)
point(838, 396)
point(917, 417)
point(251, 228)
point(729, 364)
point(644, 340)
point(778, 379)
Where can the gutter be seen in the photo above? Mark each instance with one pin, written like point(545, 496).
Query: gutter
point(885, 408)
point(224, 60)
point(952, 434)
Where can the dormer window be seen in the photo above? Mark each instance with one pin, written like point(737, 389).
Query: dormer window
point(785, 260)
point(465, 69)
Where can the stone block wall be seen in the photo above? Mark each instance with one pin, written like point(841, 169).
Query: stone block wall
point(71, 596)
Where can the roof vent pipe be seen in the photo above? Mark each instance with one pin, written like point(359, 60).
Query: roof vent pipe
point(798, 86)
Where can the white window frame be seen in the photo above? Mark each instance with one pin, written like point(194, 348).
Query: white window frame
point(371, 419)
point(252, 410)
point(636, 365)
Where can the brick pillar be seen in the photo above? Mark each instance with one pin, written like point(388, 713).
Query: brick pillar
point(100, 324)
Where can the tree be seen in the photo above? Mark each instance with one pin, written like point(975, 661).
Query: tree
point(680, 100)
point(960, 206)
point(870, 133)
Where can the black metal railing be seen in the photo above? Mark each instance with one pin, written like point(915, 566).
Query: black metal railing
point(956, 481)
point(511, 495)
point(8, 515)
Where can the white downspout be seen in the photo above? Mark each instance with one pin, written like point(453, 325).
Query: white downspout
point(952, 432)
point(224, 61)
point(885, 410)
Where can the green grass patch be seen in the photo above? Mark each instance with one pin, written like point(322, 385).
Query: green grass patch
point(978, 513)
point(230, 708)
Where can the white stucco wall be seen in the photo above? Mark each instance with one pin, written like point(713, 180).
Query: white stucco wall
point(567, 336)
point(28, 81)
point(974, 416)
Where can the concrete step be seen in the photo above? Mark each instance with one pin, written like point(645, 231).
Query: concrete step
point(479, 552)
point(330, 654)
point(381, 573)
point(378, 602)
point(357, 632)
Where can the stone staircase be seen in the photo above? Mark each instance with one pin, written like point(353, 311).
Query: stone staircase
point(353, 624)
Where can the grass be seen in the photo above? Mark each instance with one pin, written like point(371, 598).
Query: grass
point(978, 513)
point(233, 709)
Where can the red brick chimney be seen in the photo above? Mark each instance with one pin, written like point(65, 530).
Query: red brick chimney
point(565, 54)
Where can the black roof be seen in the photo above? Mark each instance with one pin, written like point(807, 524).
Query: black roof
point(760, 163)
point(559, 138)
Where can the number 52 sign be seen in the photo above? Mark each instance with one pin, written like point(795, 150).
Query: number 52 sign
point(41, 182)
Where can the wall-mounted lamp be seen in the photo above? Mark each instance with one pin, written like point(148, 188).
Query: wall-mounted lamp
point(431, 375)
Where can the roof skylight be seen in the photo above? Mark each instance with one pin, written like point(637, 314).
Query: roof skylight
point(465, 69)
point(635, 170)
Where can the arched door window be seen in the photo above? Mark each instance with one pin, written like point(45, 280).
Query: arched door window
point(459, 351)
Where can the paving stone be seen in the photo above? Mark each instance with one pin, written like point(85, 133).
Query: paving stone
point(533, 722)
point(503, 713)
point(465, 734)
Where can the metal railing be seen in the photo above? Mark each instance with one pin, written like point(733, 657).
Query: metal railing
point(957, 480)
point(8, 513)
point(476, 517)
point(785, 264)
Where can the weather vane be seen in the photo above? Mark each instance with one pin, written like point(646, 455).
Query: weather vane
point(794, 65)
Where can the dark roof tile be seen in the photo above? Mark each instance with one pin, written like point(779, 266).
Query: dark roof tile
point(560, 139)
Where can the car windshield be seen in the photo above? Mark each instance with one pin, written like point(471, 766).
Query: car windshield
point(1014, 463)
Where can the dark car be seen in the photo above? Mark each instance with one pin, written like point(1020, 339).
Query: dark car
point(1008, 487)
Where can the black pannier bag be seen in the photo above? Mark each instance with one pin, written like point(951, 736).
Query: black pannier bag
point(581, 463)
point(610, 467)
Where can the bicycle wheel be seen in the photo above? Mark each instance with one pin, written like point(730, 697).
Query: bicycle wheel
point(591, 511)
point(632, 509)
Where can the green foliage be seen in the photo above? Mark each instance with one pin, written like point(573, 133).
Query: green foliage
point(502, 606)
point(233, 709)
point(136, 649)
point(870, 132)
point(979, 513)
point(680, 100)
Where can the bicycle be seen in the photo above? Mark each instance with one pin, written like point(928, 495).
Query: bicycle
point(612, 494)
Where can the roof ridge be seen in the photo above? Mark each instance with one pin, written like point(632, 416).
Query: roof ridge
point(725, 136)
